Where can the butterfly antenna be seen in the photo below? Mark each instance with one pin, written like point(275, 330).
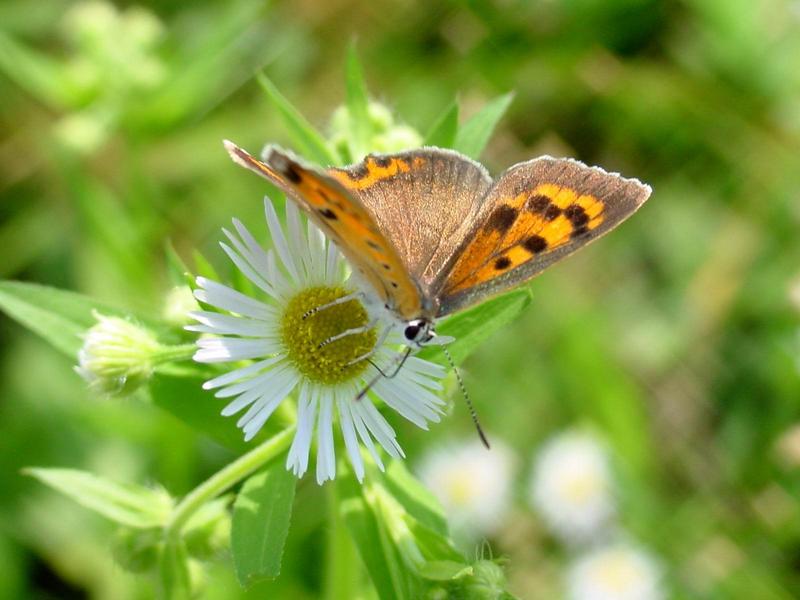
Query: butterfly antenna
point(471, 408)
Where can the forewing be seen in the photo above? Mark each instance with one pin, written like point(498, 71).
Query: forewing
point(423, 200)
point(344, 220)
point(537, 213)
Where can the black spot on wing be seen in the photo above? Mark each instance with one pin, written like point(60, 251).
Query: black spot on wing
point(576, 215)
point(502, 263)
point(328, 214)
point(535, 244)
point(537, 203)
point(501, 219)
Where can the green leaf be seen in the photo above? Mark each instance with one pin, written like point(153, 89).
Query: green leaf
point(261, 516)
point(203, 267)
point(173, 571)
point(183, 396)
point(445, 570)
point(390, 576)
point(357, 105)
point(444, 129)
point(42, 77)
point(472, 327)
point(179, 273)
point(415, 497)
point(473, 135)
point(60, 317)
point(128, 504)
point(309, 142)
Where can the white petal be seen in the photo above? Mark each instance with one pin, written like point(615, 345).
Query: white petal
point(332, 266)
point(220, 324)
point(378, 427)
point(240, 373)
point(278, 389)
point(263, 380)
point(297, 460)
point(361, 428)
point(316, 254)
point(249, 272)
point(227, 298)
point(213, 350)
point(326, 459)
point(279, 240)
point(349, 435)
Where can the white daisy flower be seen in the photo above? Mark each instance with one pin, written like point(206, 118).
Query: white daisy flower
point(571, 487)
point(310, 335)
point(472, 483)
point(618, 572)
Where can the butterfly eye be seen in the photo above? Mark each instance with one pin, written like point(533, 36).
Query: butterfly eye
point(411, 332)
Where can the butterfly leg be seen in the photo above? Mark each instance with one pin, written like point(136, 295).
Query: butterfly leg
point(346, 332)
point(342, 300)
point(381, 338)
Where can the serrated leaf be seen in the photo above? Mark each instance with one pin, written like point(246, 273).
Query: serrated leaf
point(60, 317)
point(261, 516)
point(128, 504)
point(309, 141)
point(473, 326)
point(357, 104)
point(473, 135)
point(443, 131)
point(173, 571)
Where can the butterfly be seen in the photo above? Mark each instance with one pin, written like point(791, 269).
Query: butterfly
point(432, 233)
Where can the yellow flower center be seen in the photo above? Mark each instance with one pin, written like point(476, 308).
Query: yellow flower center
point(302, 337)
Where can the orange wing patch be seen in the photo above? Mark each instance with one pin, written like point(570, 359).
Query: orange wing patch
point(345, 221)
point(523, 227)
point(374, 169)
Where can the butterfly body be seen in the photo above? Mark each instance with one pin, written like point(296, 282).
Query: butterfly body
point(432, 233)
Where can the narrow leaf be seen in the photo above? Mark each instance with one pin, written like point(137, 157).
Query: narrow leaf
point(357, 105)
point(261, 516)
point(308, 140)
point(444, 129)
point(128, 504)
point(472, 327)
point(59, 316)
point(415, 497)
point(473, 135)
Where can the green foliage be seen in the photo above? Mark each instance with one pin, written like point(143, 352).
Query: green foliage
point(261, 516)
point(674, 339)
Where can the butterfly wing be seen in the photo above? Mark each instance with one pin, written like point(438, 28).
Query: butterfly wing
point(344, 220)
point(537, 213)
point(424, 201)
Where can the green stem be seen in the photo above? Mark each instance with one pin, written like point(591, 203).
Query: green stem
point(220, 481)
point(174, 353)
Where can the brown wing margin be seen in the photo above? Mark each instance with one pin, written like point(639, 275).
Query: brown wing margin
point(344, 220)
point(537, 213)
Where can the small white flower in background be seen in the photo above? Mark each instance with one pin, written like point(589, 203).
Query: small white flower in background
point(571, 487)
point(472, 483)
point(618, 572)
point(301, 273)
point(117, 356)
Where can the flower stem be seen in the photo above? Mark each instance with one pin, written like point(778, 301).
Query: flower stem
point(223, 479)
point(342, 575)
point(173, 353)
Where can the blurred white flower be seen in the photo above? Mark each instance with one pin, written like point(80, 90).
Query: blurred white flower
point(319, 355)
point(618, 572)
point(472, 483)
point(571, 487)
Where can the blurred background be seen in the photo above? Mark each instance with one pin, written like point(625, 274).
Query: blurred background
point(659, 366)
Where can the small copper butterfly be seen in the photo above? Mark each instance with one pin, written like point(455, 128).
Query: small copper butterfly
point(433, 233)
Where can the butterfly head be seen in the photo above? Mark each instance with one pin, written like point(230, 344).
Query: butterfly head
point(421, 332)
